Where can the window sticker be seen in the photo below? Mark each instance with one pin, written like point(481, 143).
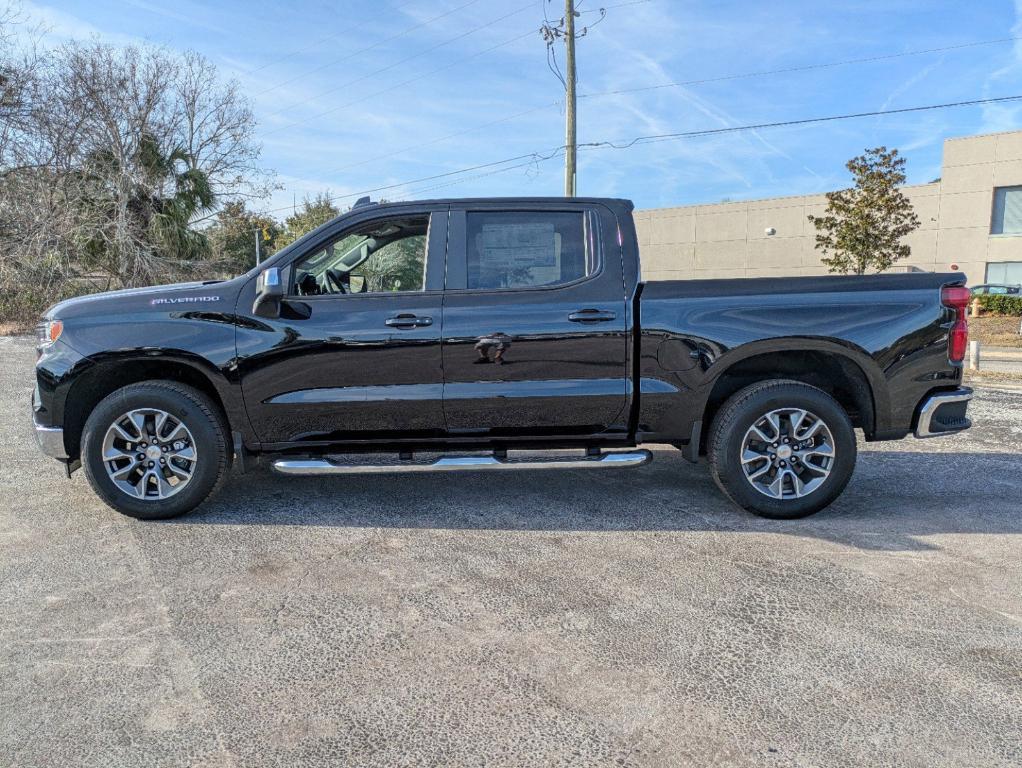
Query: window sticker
point(512, 255)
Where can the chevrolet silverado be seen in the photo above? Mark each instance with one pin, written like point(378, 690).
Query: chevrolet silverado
point(468, 329)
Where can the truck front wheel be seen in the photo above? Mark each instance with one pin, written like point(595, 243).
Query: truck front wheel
point(155, 450)
point(782, 449)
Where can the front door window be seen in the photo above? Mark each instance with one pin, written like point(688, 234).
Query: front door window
point(381, 257)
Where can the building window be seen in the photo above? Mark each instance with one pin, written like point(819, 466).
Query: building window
point(1007, 211)
point(1004, 272)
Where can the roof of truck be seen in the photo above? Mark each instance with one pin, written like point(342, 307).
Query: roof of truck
point(364, 206)
point(516, 200)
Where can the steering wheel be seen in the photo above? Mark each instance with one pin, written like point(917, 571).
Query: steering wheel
point(333, 279)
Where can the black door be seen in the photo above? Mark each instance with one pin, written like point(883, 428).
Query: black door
point(356, 354)
point(535, 323)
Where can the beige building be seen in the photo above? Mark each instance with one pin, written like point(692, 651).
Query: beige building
point(971, 222)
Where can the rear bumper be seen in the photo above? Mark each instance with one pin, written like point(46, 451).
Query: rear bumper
point(943, 413)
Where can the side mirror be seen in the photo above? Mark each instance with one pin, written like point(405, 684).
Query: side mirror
point(269, 292)
point(357, 283)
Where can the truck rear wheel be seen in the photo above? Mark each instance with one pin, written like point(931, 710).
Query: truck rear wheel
point(155, 450)
point(782, 449)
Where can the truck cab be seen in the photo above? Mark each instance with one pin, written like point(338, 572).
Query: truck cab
point(465, 321)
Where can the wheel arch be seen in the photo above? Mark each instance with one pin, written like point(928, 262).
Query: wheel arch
point(110, 375)
point(847, 375)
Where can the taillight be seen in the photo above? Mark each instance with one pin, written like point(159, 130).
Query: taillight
point(957, 297)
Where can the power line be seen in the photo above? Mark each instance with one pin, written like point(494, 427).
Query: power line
point(431, 72)
point(612, 7)
point(804, 68)
point(552, 33)
point(785, 123)
point(445, 137)
point(349, 30)
point(534, 163)
point(533, 158)
point(398, 85)
point(483, 125)
point(399, 62)
point(377, 44)
point(531, 110)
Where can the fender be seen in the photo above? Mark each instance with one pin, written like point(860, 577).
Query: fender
point(682, 396)
point(857, 356)
point(160, 363)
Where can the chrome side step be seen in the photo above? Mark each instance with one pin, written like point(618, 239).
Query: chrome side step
point(329, 466)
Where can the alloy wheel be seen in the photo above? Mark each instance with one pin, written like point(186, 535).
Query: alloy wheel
point(787, 453)
point(149, 454)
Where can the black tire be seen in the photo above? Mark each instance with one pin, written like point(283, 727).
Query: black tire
point(726, 443)
point(205, 423)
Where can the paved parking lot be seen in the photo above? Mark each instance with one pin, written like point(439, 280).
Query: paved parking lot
point(573, 618)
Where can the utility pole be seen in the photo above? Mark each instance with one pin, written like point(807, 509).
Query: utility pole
point(258, 238)
point(551, 33)
point(570, 137)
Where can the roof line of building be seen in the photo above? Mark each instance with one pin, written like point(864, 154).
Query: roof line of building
point(769, 199)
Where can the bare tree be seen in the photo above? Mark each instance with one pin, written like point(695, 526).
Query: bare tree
point(32, 218)
point(108, 155)
point(18, 79)
point(215, 127)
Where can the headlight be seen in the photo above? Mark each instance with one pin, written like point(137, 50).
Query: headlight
point(48, 332)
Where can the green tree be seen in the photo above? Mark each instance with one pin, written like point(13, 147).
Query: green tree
point(183, 192)
point(314, 212)
point(232, 236)
point(863, 227)
point(145, 202)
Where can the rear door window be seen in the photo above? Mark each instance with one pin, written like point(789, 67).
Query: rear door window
point(526, 249)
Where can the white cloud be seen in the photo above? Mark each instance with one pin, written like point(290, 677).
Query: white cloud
point(908, 85)
point(1005, 82)
point(59, 27)
point(191, 14)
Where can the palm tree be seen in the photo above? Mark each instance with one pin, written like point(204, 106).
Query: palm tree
point(149, 200)
point(186, 192)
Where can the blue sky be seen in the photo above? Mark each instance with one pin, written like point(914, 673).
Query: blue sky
point(335, 117)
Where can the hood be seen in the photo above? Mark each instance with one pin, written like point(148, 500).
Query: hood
point(159, 296)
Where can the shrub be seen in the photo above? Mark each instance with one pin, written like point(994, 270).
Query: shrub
point(1001, 304)
point(21, 306)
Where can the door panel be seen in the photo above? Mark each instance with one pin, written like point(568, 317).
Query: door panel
point(359, 367)
point(544, 360)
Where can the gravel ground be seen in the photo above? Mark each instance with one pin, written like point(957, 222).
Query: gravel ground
point(571, 618)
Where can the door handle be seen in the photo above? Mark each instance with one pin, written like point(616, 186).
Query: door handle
point(591, 316)
point(408, 321)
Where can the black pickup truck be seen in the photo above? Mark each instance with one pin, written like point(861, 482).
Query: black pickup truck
point(471, 328)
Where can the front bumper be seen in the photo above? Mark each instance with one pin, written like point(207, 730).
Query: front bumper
point(943, 413)
point(51, 441)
